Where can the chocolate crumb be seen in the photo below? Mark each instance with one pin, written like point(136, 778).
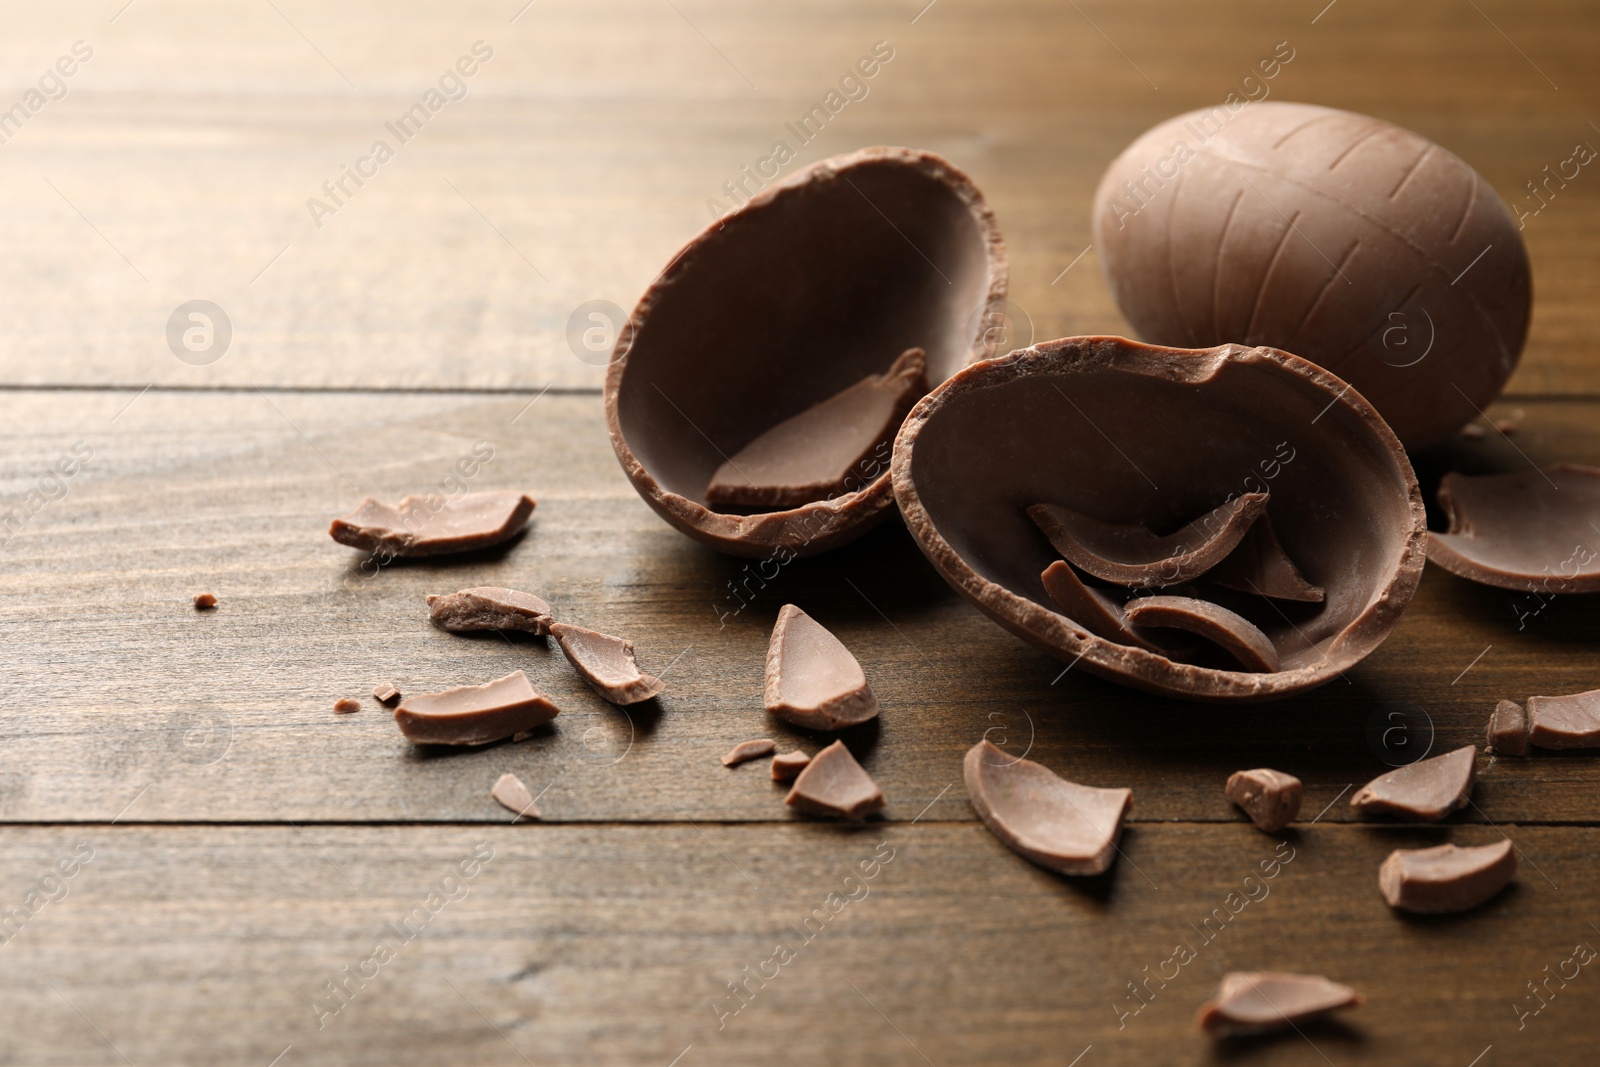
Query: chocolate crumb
point(1508, 729)
point(1446, 878)
point(1271, 798)
point(785, 765)
point(345, 705)
point(749, 750)
point(514, 796)
point(1260, 1002)
point(205, 601)
point(1473, 431)
point(1506, 426)
point(386, 694)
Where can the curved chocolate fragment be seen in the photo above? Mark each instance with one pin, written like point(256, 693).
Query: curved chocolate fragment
point(1427, 789)
point(1271, 798)
point(1446, 878)
point(607, 663)
point(785, 765)
point(1508, 729)
point(1534, 530)
point(1089, 607)
point(1260, 565)
point(414, 528)
point(1130, 554)
point(749, 750)
point(511, 794)
point(1566, 721)
point(833, 783)
point(1041, 816)
point(1262, 1001)
point(489, 607)
point(474, 714)
point(1235, 634)
point(812, 679)
point(822, 452)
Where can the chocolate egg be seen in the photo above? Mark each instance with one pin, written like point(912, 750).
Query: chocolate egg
point(826, 303)
point(1137, 435)
point(1363, 247)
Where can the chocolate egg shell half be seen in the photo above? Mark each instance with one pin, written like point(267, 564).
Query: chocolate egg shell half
point(812, 286)
point(1361, 246)
point(1128, 432)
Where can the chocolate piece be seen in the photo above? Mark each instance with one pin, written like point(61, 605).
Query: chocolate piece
point(833, 783)
point(1235, 634)
point(1565, 721)
point(474, 714)
point(416, 527)
point(1260, 565)
point(204, 601)
point(514, 796)
point(785, 765)
point(1041, 816)
point(1533, 530)
point(1508, 729)
point(386, 694)
point(1356, 244)
point(489, 607)
point(345, 705)
point(748, 750)
point(1154, 436)
point(1263, 1001)
point(812, 679)
point(819, 453)
point(1130, 554)
point(607, 664)
point(1427, 789)
point(883, 250)
point(1473, 431)
point(1506, 426)
point(1445, 878)
point(1089, 607)
point(1271, 798)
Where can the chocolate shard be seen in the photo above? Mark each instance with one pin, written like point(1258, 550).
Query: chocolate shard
point(1130, 554)
point(1566, 721)
point(386, 694)
point(812, 679)
point(1041, 816)
point(607, 663)
point(833, 783)
point(514, 796)
point(346, 705)
point(475, 714)
point(1235, 634)
point(1427, 789)
point(489, 607)
point(1271, 798)
point(785, 765)
point(1260, 565)
point(1530, 531)
point(417, 527)
point(823, 451)
point(1508, 729)
point(1089, 607)
point(1263, 1001)
point(1446, 878)
point(749, 750)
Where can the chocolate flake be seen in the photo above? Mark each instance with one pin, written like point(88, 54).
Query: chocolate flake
point(474, 714)
point(607, 663)
point(416, 527)
point(1508, 729)
point(514, 796)
point(1271, 798)
point(785, 765)
point(1235, 634)
point(1130, 554)
point(386, 694)
point(1566, 721)
point(1260, 565)
point(1087, 606)
point(1446, 878)
point(749, 750)
point(1041, 816)
point(489, 607)
point(1263, 1001)
point(1532, 530)
point(345, 705)
point(1427, 789)
point(833, 783)
point(813, 681)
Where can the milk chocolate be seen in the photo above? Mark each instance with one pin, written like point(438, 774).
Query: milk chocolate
point(386, 694)
point(489, 607)
point(1260, 565)
point(785, 765)
point(607, 663)
point(749, 750)
point(1565, 721)
point(345, 705)
point(812, 679)
point(821, 452)
point(1263, 1001)
point(1428, 789)
point(433, 525)
point(1446, 878)
point(474, 714)
point(205, 601)
point(1129, 553)
point(1271, 798)
point(1532, 530)
point(1090, 608)
point(1041, 816)
point(1508, 729)
point(833, 783)
point(514, 796)
point(1232, 632)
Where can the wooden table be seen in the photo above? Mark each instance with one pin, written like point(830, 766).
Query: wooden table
point(235, 847)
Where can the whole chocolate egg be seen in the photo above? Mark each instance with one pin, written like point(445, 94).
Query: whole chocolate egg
point(1361, 246)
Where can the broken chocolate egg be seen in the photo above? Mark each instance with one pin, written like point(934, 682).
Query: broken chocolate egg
point(1361, 246)
point(1531, 530)
point(1128, 433)
point(753, 396)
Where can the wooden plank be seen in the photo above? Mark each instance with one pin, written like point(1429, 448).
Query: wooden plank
point(114, 682)
point(180, 164)
point(610, 945)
